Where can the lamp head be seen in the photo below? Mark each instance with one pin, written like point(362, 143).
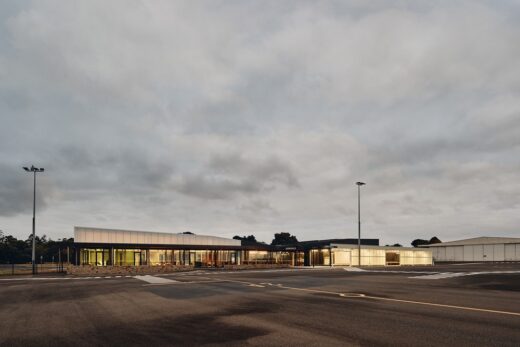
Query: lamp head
point(360, 183)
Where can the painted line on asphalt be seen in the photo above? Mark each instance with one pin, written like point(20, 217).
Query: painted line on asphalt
point(389, 271)
point(440, 275)
point(363, 296)
point(354, 269)
point(155, 280)
point(443, 275)
point(220, 272)
point(210, 280)
point(179, 283)
point(350, 295)
point(444, 305)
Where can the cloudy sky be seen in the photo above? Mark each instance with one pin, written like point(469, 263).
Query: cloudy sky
point(256, 117)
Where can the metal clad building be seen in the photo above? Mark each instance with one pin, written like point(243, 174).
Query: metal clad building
point(114, 236)
point(477, 249)
point(380, 256)
point(114, 247)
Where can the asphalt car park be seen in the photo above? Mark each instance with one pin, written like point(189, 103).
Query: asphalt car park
point(452, 304)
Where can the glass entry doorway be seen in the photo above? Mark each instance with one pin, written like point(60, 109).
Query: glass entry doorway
point(392, 258)
point(99, 258)
point(137, 258)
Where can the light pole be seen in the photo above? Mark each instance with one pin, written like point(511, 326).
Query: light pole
point(34, 170)
point(359, 184)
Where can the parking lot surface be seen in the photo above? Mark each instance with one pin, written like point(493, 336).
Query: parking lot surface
point(443, 305)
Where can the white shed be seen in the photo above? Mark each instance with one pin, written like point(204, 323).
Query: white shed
point(477, 249)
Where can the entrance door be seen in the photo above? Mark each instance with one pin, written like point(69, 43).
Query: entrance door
point(99, 258)
point(392, 258)
point(137, 258)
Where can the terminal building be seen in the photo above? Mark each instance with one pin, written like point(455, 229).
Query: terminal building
point(110, 247)
point(481, 249)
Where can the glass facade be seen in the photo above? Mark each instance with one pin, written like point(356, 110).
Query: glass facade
point(320, 257)
point(211, 258)
point(218, 258)
point(270, 257)
point(96, 256)
point(137, 257)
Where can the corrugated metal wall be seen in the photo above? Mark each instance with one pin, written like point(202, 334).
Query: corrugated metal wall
point(92, 235)
point(344, 255)
point(496, 252)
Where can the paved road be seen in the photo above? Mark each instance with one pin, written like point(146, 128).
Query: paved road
point(320, 307)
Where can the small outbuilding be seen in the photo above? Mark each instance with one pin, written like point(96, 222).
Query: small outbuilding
point(477, 249)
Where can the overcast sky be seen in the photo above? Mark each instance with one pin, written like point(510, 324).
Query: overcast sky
point(256, 117)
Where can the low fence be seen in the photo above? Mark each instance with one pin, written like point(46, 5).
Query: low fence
point(26, 269)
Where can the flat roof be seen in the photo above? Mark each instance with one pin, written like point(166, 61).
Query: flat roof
point(483, 240)
point(396, 248)
point(134, 237)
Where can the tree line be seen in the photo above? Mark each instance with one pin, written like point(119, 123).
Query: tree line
point(288, 239)
point(15, 251)
point(279, 239)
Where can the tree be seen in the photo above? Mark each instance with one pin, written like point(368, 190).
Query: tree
point(395, 245)
point(250, 238)
point(188, 233)
point(435, 239)
point(419, 242)
point(15, 251)
point(284, 239)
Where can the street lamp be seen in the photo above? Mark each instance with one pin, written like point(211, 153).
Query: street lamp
point(34, 170)
point(359, 184)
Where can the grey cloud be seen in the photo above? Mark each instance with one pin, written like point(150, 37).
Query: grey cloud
point(259, 206)
point(212, 188)
point(269, 169)
point(152, 114)
point(16, 192)
point(227, 175)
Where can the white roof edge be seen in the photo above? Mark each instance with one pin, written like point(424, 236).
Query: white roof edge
point(482, 240)
point(346, 245)
point(145, 231)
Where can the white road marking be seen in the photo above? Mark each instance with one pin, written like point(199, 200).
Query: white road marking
point(459, 274)
point(440, 275)
point(155, 280)
point(220, 272)
point(444, 305)
point(389, 271)
point(363, 296)
point(353, 269)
